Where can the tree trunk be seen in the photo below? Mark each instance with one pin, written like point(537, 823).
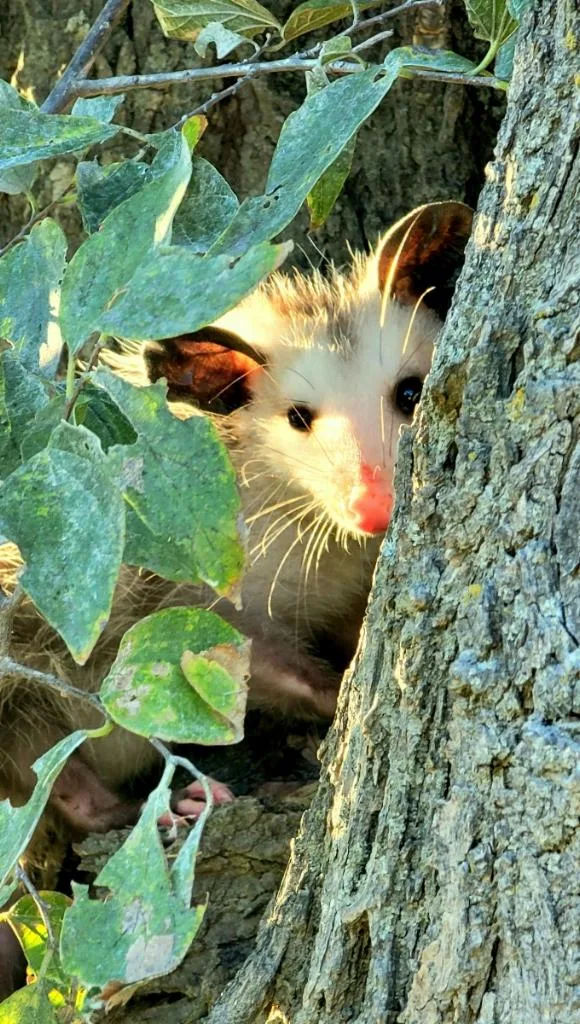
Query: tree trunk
point(427, 141)
point(435, 879)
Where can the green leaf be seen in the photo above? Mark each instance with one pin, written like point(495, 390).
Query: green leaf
point(331, 116)
point(19, 179)
point(29, 135)
point(22, 397)
point(27, 924)
point(30, 276)
point(102, 416)
point(145, 926)
point(107, 261)
point(504, 62)
point(147, 692)
point(176, 291)
point(29, 1005)
point(180, 483)
point(329, 186)
point(184, 18)
point(405, 58)
point(37, 434)
point(17, 824)
point(101, 189)
point(315, 14)
point(207, 209)
point(101, 108)
point(46, 507)
point(335, 49)
point(490, 20)
point(225, 42)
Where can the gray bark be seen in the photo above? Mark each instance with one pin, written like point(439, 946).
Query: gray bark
point(435, 877)
point(427, 141)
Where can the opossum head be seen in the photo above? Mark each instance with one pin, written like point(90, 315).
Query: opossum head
point(318, 374)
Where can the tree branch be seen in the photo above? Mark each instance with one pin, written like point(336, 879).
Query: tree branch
point(10, 667)
point(159, 80)
point(64, 91)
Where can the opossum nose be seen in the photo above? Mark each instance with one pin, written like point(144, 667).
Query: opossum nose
point(371, 501)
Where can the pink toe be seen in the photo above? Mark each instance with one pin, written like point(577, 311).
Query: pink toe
point(220, 793)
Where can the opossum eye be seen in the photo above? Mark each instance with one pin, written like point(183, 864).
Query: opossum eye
point(407, 394)
point(300, 417)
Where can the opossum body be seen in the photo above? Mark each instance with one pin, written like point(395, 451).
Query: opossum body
point(309, 380)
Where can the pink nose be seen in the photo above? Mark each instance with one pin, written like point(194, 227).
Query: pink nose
point(371, 501)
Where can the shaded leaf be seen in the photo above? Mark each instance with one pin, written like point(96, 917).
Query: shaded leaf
point(176, 291)
point(147, 692)
point(504, 62)
point(518, 7)
point(405, 58)
point(184, 18)
point(207, 209)
point(17, 824)
point(335, 49)
point(105, 263)
point(179, 481)
point(222, 38)
point(22, 396)
point(102, 108)
point(28, 135)
point(19, 179)
point(490, 20)
point(315, 14)
point(37, 434)
point(145, 926)
point(100, 189)
point(96, 411)
point(45, 507)
point(332, 116)
point(30, 276)
point(329, 186)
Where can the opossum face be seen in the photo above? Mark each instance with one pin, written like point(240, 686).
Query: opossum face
point(335, 367)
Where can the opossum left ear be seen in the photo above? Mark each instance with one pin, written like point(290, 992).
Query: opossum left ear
point(421, 256)
point(213, 368)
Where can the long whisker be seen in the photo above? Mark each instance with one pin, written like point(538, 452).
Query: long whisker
point(274, 508)
point(267, 541)
point(299, 537)
point(414, 314)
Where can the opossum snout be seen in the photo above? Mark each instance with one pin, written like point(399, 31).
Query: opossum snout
point(370, 502)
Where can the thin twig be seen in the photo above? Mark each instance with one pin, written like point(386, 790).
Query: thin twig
point(10, 667)
point(64, 91)
point(217, 97)
point(42, 908)
point(82, 380)
point(379, 38)
point(34, 219)
point(8, 607)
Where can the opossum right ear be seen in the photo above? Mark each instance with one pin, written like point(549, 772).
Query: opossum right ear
point(212, 367)
point(422, 254)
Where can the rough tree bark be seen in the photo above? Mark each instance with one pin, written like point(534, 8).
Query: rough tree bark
point(435, 879)
point(427, 141)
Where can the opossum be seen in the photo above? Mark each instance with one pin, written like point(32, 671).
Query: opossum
point(309, 380)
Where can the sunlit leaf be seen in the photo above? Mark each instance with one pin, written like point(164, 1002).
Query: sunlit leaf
point(223, 39)
point(102, 108)
point(207, 209)
point(30, 276)
point(103, 266)
point(28, 925)
point(490, 20)
point(145, 926)
point(45, 506)
point(176, 291)
point(28, 135)
point(29, 1005)
point(184, 18)
point(179, 482)
point(147, 691)
point(315, 14)
point(332, 117)
point(19, 179)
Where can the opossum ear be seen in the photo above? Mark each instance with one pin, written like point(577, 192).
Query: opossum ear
point(211, 367)
point(422, 255)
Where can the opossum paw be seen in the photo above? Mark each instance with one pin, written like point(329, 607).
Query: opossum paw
point(188, 803)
